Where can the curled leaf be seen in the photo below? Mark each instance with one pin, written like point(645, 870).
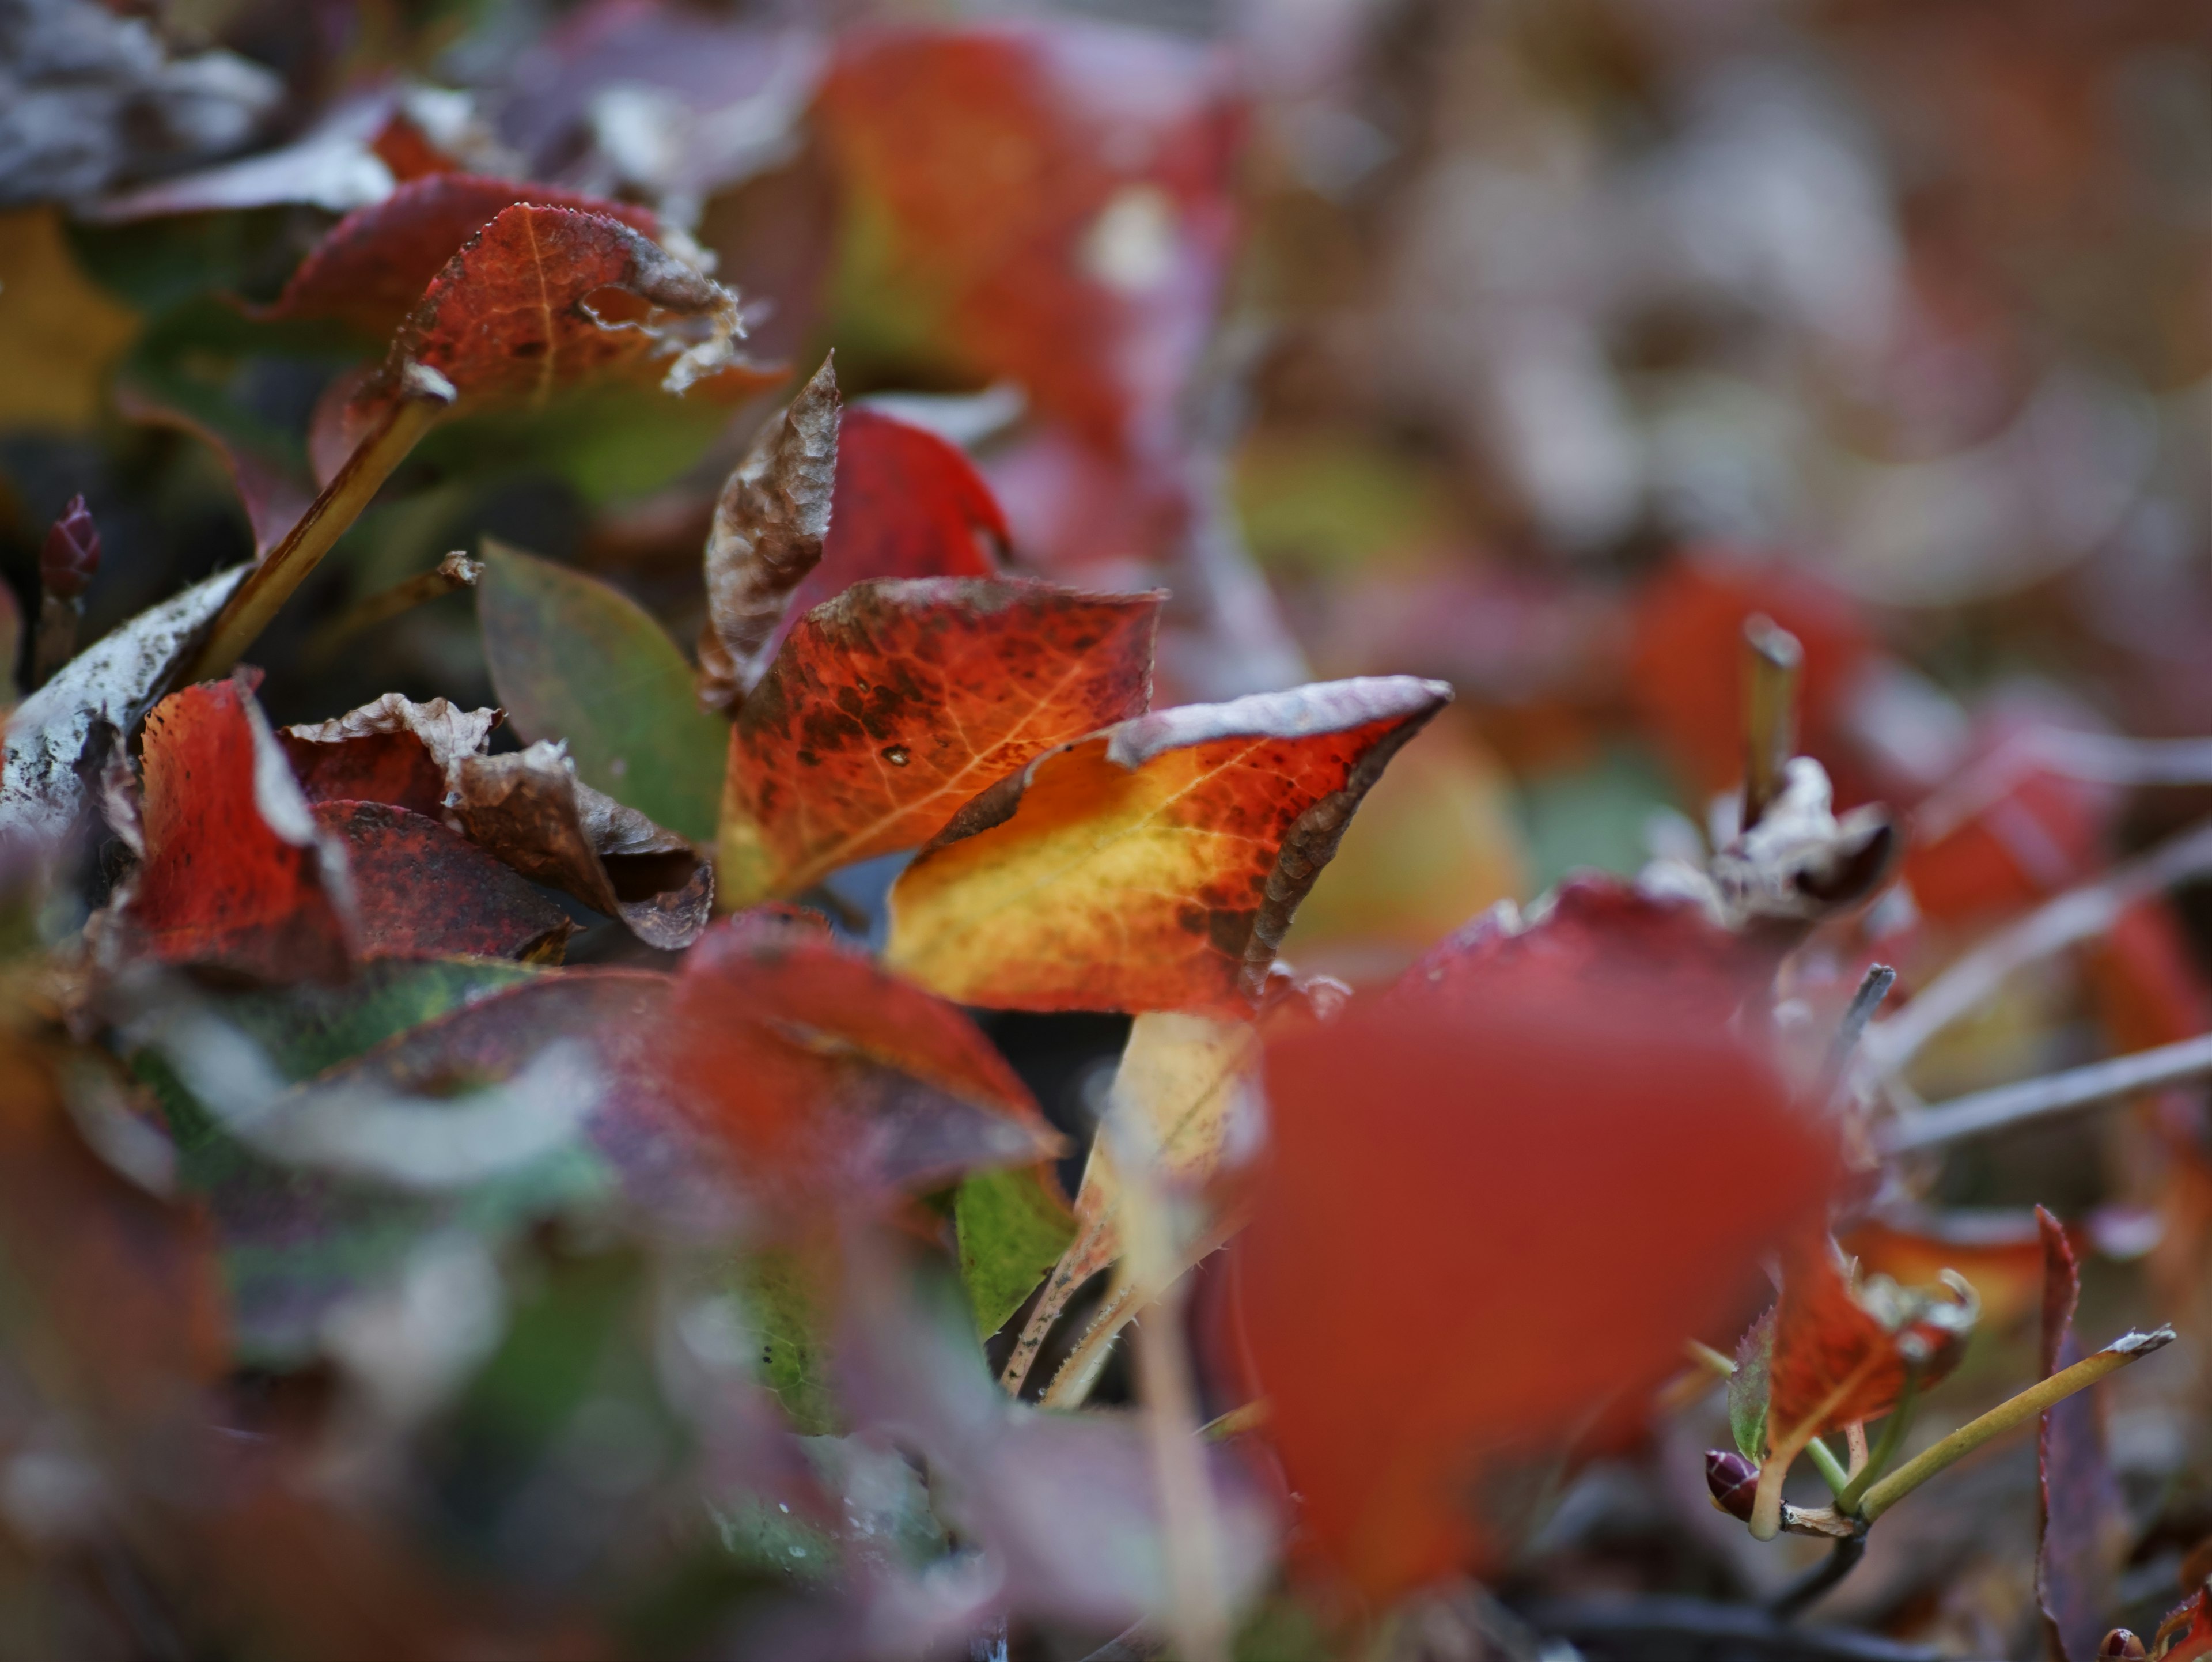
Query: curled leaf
point(888, 707)
point(769, 524)
point(393, 750)
point(530, 810)
point(1154, 866)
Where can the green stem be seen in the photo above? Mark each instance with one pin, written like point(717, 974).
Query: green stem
point(427, 398)
point(2007, 1414)
point(1831, 1469)
point(1893, 1438)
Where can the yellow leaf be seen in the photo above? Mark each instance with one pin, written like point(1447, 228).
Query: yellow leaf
point(59, 335)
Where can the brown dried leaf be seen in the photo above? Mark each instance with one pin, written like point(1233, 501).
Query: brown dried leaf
point(393, 750)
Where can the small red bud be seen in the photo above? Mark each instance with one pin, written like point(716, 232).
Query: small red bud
point(2120, 1646)
point(71, 554)
point(1733, 1480)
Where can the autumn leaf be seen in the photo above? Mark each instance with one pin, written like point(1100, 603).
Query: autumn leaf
point(530, 810)
point(237, 872)
point(2002, 1258)
point(268, 470)
point(1460, 1134)
point(371, 268)
point(766, 536)
point(1012, 1227)
point(1154, 866)
point(830, 1076)
point(2084, 1526)
point(423, 892)
point(1843, 1349)
point(392, 751)
point(890, 707)
point(575, 660)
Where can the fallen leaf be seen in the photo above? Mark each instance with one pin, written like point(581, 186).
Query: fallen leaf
point(2084, 1526)
point(420, 891)
point(574, 658)
point(237, 872)
point(529, 809)
point(1012, 1227)
point(393, 750)
point(58, 734)
point(767, 535)
point(371, 268)
point(1154, 866)
point(831, 1077)
point(892, 705)
point(1462, 1135)
point(333, 165)
point(59, 334)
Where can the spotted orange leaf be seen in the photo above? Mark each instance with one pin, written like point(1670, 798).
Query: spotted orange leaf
point(237, 872)
point(892, 705)
point(1155, 865)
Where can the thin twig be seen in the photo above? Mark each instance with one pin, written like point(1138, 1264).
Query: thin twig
point(1872, 988)
point(2077, 915)
point(427, 398)
point(456, 571)
point(2015, 1411)
point(2006, 1106)
point(2099, 757)
point(1772, 663)
point(1786, 1605)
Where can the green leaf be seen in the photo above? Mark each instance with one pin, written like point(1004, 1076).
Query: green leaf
point(1747, 1388)
point(574, 658)
point(306, 1029)
point(1013, 1226)
point(790, 1320)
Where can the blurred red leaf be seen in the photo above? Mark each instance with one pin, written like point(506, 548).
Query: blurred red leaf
point(2002, 1258)
point(424, 892)
point(1154, 866)
point(1842, 1351)
point(892, 705)
point(237, 872)
point(2084, 1527)
point(393, 750)
point(1057, 197)
point(791, 1048)
point(2044, 834)
point(1562, 1126)
point(371, 269)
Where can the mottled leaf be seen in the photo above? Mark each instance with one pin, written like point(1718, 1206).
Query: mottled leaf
point(574, 658)
point(529, 809)
point(1460, 1134)
point(1154, 866)
point(2084, 1525)
point(420, 891)
point(891, 706)
point(372, 267)
point(767, 535)
point(237, 872)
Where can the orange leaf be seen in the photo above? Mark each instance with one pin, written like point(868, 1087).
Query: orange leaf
point(237, 872)
point(892, 705)
point(1842, 1351)
point(1484, 1220)
point(1154, 866)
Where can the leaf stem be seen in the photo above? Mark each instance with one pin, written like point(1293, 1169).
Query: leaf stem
point(1892, 1437)
point(2015, 1411)
point(1772, 662)
point(1831, 1469)
point(427, 396)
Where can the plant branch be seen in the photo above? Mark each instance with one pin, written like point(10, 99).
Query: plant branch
point(1893, 1438)
point(1831, 1469)
point(2016, 1411)
point(2101, 757)
point(456, 571)
point(2005, 1107)
point(427, 398)
point(1792, 1599)
point(2077, 915)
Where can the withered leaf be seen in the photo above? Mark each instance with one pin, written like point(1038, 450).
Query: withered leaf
point(530, 810)
point(888, 707)
point(393, 750)
point(770, 523)
point(424, 892)
point(1154, 866)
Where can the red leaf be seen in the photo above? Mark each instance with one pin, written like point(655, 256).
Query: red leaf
point(237, 872)
point(2001, 1255)
point(906, 504)
point(2043, 834)
point(1062, 197)
point(393, 750)
point(1841, 1351)
point(892, 705)
point(1484, 1219)
point(2084, 1527)
point(2185, 1635)
point(424, 892)
point(372, 267)
point(788, 1046)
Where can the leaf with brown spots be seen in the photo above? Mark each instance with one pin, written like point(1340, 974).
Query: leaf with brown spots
point(237, 872)
point(393, 750)
point(1155, 865)
point(372, 267)
point(831, 1078)
point(893, 705)
point(530, 810)
point(423, 892)
point(2084, 1532)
